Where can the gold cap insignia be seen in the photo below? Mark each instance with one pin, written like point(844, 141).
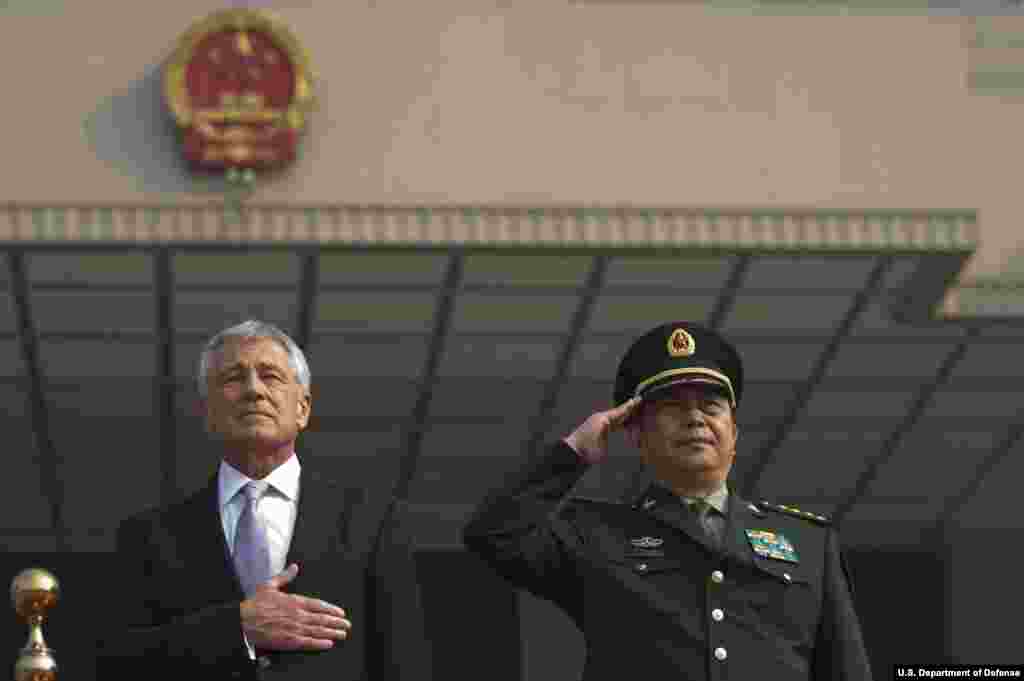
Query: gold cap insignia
point(681, 344)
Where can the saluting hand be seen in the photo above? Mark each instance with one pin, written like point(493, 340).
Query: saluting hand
point(590, 439)
point(274, 620)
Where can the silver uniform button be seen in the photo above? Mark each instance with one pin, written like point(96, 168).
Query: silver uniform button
point(641, 567)
point(717, 615)
point(786, 577)
point(717, 577)
point(721, 654)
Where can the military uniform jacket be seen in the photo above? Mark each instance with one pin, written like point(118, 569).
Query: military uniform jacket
point(655, 599)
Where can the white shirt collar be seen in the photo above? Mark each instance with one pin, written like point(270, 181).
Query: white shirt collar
point(284, 479)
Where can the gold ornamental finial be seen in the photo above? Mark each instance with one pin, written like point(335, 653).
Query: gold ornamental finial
point(34, 592)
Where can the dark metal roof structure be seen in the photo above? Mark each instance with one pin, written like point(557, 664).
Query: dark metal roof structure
point(448, 344)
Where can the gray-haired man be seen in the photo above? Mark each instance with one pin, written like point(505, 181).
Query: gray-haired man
point(271, 570)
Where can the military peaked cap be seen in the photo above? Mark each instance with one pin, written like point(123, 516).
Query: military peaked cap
point(679, 352)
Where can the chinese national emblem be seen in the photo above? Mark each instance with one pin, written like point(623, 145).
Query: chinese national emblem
point(681, 344)
point(239, 87)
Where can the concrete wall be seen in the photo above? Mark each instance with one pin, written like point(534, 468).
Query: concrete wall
point(537, 102)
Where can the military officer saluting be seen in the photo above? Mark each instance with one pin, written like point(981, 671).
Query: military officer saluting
point(690, 582)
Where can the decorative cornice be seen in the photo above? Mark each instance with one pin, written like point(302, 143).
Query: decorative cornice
point(623, 228)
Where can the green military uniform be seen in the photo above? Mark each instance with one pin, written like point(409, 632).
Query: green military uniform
point(656, 595)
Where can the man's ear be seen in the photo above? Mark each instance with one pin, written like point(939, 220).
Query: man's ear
point(305, 407)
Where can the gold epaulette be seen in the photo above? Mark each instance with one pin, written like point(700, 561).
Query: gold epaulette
point(789, 510)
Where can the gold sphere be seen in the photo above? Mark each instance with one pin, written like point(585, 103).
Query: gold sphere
point(34, 591)
point(35, 666)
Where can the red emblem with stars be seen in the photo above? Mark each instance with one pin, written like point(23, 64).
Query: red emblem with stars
point(239, 86)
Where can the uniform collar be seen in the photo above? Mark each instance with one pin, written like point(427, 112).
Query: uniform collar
point(718, 499)
point(657, 494)
point(284, 480)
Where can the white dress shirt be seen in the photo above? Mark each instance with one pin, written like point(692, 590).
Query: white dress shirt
point(278, 508)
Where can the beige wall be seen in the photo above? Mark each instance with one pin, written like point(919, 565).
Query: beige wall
point(537, 102)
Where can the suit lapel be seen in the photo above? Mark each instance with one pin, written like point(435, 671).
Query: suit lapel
point(321, 525)
point(741, 516)
point(667, 508)
point(322, 529)
point(201, 534)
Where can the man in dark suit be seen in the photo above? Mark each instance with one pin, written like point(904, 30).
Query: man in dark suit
point(690, 581)
point(272, 570)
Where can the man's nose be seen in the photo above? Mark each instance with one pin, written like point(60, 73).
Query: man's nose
point(252, 384)
point(692, 415)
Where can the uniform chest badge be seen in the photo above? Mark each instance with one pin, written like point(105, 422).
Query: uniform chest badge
point(645, 547)
point(768, 544)
point(646, 542)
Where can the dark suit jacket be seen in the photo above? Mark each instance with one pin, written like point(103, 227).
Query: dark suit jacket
point(652, 595)
point(177, 602)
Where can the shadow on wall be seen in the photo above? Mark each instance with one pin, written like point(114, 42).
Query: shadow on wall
point(133, 132)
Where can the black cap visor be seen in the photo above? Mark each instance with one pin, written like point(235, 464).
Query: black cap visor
point(711, 379)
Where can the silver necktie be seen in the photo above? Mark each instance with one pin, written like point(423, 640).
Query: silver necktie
point(252, 549)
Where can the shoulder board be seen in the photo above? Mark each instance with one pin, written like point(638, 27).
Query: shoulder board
point(789, 510)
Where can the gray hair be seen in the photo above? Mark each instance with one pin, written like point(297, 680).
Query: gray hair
point(253, 329)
